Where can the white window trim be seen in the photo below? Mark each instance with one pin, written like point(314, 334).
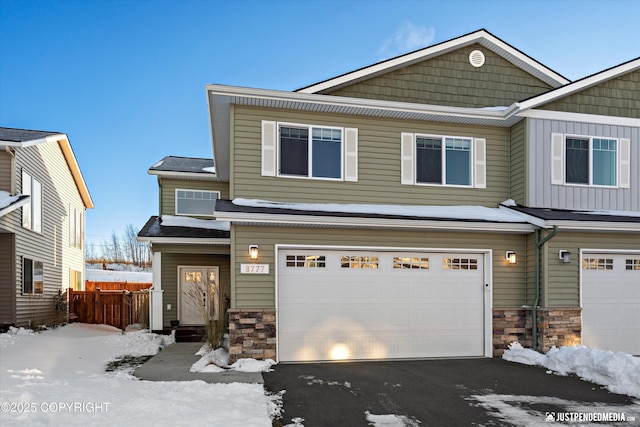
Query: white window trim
point(192, 189)
point(560, 156)
point(270, 162)
point(31, 205)
point(474, 165)
point(33, 281)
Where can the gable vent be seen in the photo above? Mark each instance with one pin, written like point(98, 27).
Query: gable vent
point(476, 58)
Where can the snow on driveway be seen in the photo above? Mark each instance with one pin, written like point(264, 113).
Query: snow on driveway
point(58, 377)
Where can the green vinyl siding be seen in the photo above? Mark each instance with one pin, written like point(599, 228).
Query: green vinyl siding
point(378, 162)
point(518, 169)
point(258, 290)
point(562, 281)
point(5, 172)
point(7, 279)
point(169, 271)
point(617, 97)
point(168, 188)
point(450, 79)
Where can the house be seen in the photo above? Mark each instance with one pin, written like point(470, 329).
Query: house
point(443, 203)
point(43, 198)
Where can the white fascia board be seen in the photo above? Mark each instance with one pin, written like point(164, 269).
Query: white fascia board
point(184, 241)
point(596, 226)
point(580, 85)
point(579, 117)
point(371, 104)
point(310, 220)
point(185, 175)
point(428, 52)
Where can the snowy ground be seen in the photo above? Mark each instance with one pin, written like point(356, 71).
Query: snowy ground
point(58, 377)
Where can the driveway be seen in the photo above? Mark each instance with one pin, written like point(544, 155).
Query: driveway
point(467, 392)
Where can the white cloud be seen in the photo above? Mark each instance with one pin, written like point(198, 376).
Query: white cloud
point(409, 37)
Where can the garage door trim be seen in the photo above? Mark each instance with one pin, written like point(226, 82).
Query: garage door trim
point(487, 272)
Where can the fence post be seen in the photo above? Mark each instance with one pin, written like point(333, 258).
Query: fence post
point(97, 299)
point(122, 310)
point(69, 301)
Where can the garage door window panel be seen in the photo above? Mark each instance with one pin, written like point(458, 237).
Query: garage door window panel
point(597, 264)
point(359, 261)
point(460, 264)
point(306, 261)
point(633, 264)
point(410, 263)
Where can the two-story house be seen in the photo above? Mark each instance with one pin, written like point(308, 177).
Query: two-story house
point(443, 203)
point(43, 199)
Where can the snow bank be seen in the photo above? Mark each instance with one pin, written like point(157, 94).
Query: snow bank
point(619, 372)
point(218, 361)
point(390, 420)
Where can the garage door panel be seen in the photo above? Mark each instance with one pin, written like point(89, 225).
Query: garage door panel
point(386, 311)
point(611, 302)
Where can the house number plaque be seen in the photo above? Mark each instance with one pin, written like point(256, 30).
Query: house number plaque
point(254, 268)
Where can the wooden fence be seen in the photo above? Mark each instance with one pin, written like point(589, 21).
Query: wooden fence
point(115, 286)
point(118, 308)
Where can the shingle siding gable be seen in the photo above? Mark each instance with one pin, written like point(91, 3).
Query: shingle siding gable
point(451, 80)
point(618, 97)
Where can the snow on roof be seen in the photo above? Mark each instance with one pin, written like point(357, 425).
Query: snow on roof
point(479, 213)
point(184, 221)
point(6, 199)
point(612, 213)
point(210, 169)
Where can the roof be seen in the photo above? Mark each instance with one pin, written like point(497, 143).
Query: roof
point(184, 167)
point(548, 214)
point(22, 138)
point(10, 203)
point(156, 232)
point(482, 37)
point(469, 218)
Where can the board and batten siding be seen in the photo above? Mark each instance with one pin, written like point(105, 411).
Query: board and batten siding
point(168, 188)
point(196, 256)
point(561, 286)
point(45, 163)
point(379, 162)
point(618, 97)
point(258, 290)
point(451, 80)
point(542, 193)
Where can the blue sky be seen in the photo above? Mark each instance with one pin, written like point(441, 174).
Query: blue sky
point(125, 79)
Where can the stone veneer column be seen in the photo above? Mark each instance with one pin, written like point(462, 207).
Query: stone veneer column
point(558, 327)
point(252, 334)
point(509, 325)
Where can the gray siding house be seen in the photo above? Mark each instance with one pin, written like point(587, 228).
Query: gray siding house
point(443, 203)
point(43, 198)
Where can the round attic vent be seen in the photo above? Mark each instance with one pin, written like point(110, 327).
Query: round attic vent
point(476, 58)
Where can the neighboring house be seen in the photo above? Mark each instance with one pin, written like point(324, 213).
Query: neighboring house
point(43, 198)
point(417, 207)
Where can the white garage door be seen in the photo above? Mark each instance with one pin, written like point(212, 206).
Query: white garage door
point(611, 302)
point(340, 304)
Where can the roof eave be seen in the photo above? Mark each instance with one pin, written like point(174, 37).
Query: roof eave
point(185, 241)
point(601, 226)
point(197, 176)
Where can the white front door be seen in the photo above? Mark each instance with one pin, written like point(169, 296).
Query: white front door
point(198, 295)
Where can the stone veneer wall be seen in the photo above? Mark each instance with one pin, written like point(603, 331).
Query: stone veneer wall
point(252, 334)
point(556, 327)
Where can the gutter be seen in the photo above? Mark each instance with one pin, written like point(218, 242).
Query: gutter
point(534, 308)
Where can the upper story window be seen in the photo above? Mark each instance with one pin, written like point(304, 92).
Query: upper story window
point(443, 160)
point(32, 211)
point(75, 227)
point(309, 151)
point(594, 161)
point(196, 202)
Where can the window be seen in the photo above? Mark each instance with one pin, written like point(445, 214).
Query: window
point(32, 276)
point(460, 264)
point(75, 280)
point(32, 211)
point(585, 160)
point(306, 261)
point(408, 263)
point(314, 152)
point(75, 227)
point(196, 202)
point(597, 264)
point(309, 151)
point(359, 262)
point(633, 264)
point(443, 160)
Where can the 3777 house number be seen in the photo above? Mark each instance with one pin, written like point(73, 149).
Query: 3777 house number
point(254, 268)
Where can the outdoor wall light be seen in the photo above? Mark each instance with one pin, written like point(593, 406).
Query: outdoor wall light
point(253, 251)
point(565, 256)
point(511, 257)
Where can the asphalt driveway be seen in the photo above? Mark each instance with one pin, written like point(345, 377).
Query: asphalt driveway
point(467, 392)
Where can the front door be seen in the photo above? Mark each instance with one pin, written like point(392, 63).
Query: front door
point(198, 296)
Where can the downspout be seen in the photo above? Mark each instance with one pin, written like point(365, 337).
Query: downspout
point(536, 301)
